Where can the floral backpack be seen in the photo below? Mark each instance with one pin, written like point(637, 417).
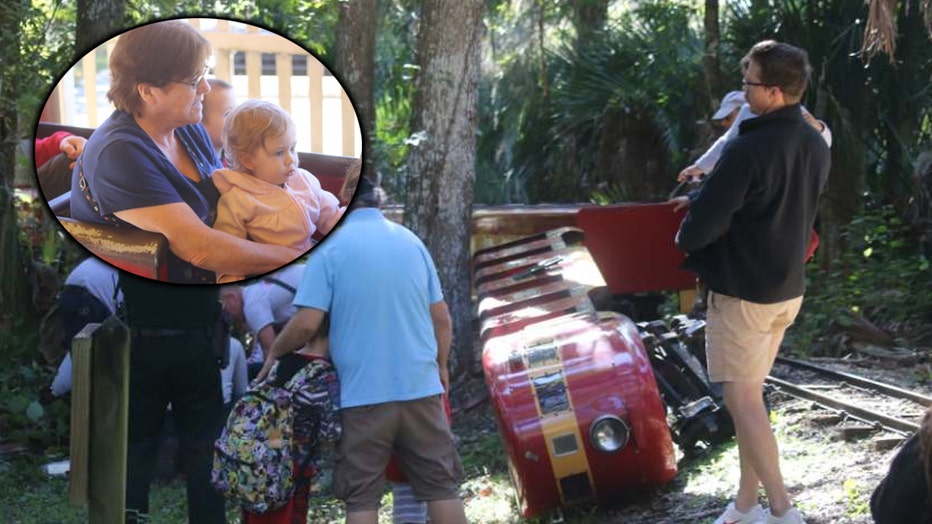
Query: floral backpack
point(254, 457)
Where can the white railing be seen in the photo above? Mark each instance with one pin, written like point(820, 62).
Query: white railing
point(318, 104)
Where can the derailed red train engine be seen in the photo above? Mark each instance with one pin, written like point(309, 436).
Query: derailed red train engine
point(585, 399)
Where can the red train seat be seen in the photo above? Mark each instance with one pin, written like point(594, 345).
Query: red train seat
point(633, 245)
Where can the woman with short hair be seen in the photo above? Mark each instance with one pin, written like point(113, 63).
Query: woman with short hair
point(149, 164)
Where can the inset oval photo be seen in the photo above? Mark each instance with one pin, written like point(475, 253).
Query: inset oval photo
point(198, 151)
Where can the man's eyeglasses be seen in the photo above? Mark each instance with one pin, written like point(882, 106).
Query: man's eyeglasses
point(746, 83)
point(196, 82)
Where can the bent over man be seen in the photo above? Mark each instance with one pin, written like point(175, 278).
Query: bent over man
point(390, 334)
point(746, 234)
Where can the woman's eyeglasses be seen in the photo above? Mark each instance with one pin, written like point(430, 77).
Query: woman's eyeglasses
point(196, 82)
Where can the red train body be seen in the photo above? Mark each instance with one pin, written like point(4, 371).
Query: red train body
point(573, 390)
point(550, 384)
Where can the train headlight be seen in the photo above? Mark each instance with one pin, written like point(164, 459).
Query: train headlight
point(609, 433)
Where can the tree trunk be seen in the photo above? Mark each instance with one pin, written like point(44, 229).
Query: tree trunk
point(589, 15)
point(542, 54)
point(841, 202)
point(355, 66)
point(632, 158)
point(710, 62)
point(442, 156)
point(14, 296)
point(97, 20)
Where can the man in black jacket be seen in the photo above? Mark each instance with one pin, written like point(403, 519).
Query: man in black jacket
point(746, 234)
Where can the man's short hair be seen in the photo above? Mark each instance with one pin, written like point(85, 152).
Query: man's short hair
point(781, 65)
point(369, 193)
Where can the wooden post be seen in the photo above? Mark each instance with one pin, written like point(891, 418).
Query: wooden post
point(254, 74)
point(89, 68)
point(315, 77)
point(100, 419)
point(348, 113)
point(283, 71)
point(80, 414)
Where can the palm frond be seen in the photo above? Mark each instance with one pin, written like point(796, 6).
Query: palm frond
point(880, 29)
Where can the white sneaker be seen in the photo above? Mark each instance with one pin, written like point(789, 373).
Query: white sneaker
point(790, 517)
point(755, 515)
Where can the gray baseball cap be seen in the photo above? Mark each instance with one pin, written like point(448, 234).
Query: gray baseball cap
point(731, 101)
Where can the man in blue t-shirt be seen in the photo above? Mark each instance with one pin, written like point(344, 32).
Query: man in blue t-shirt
point(390, 335)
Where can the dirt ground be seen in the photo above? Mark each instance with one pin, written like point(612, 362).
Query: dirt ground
point(831, 479)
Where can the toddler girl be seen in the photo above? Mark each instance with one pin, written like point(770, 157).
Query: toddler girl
point(265, 196)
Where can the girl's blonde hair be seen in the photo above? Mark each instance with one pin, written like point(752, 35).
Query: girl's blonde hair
point(248, 126)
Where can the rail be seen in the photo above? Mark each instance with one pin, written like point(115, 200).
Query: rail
point(874, 403)
point(866, 415)
point(860, 381)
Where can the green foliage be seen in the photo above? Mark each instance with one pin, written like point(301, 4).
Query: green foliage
point(41, 238)
point(880, 275)
point(396, 72)
point(482, 453)
point(858, 503)
point(610, 193)
point(26, 416)
point(27, 494)
point(878, 111)
point(309, 23)
point(553, 117)
point(553, 137)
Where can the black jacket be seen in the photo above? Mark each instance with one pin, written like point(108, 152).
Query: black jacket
point(747, 228)
point(902, 496)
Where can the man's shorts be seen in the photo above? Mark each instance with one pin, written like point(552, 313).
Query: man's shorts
point(416, 431)
point(742, 338)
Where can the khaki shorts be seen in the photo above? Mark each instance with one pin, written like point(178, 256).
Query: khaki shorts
point(742, 338)
point(416, 431)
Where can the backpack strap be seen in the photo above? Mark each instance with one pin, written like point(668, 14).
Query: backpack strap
point(109, 218)
point(308, 373)
point(273, 280)
point(321, 392)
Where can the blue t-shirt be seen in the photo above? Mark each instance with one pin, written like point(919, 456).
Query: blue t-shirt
point(377, 281)
point(124, 169)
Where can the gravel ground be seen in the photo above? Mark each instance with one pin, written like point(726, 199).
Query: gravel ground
point(831, 479)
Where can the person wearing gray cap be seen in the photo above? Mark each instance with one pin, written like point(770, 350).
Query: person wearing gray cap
point(728, 109)
point(733, 110)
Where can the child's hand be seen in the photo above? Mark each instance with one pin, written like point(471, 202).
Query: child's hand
point(680, 202)
point(812, 121)
point(72, 146)
point(266, 368)
point(690, 174)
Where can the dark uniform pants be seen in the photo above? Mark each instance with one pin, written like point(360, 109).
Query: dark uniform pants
point(181, 371)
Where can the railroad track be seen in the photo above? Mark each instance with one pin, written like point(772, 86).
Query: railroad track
point(876, 404)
